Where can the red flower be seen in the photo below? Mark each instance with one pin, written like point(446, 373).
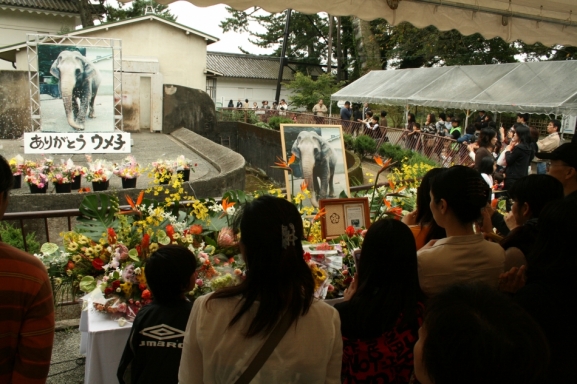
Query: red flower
point(108, 291)
point(196, 229)
point(141, 286)
point(139, 250)
point(70, 265)
point(97, 264)
point(348, 280)
point(145, 241)
point(307, 256)
point(111, 236)
point(115, 284)
point(350, 231)
point(170, 231)
point(145, 295)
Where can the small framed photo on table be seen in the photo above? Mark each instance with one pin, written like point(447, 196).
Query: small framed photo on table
point(342, 213)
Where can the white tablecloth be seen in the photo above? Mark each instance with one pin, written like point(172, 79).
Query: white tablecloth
point(102, 341)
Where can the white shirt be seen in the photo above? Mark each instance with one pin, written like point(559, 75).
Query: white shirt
point(310, 352)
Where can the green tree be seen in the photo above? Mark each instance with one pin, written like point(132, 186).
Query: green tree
point(307, 92)
point(137, 8)
point(307, 38)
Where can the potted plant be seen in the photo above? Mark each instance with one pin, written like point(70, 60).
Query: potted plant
point(37, 180)
point(163, 170)
point(99, 173)
point(128, 170)
point(62, 176)
point(17, 166)
point(183, 167)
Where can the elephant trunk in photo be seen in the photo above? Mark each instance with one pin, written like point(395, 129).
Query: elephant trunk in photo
point(318, 161)
point(70, 105)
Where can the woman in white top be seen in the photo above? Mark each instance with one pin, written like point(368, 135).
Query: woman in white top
point(227, 328)
point(457, 196)
point(487, 167)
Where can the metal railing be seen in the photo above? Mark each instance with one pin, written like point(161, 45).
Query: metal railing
point(441, 149)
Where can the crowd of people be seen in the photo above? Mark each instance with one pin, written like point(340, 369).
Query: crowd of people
point(454, 292)
point(281, 106)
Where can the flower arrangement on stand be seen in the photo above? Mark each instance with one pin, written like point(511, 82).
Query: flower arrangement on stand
point(184, 166)
point(99, 173)
point(36, 175)
point(62, 175)
point(17, 166)
point(162, 171)
point(129, 170)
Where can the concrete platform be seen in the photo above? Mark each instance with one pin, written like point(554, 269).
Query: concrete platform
point(148, 147)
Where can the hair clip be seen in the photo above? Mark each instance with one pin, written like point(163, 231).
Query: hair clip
point(288, 235)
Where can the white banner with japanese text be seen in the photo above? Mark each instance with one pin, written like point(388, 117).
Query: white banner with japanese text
point(76, 142)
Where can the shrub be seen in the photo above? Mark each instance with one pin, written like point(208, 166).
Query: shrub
point(13, 236)
point(364, 145)
point(404, 156)
point(261, 124)
point(349, 141)
point(276, 121)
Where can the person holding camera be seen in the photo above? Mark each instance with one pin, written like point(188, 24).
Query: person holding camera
point(320, 109)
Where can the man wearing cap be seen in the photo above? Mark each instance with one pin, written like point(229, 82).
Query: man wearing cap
point(548, 144)
point(562, 165)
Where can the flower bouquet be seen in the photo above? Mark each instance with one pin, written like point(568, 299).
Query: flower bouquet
point(36, 175)
point(16, 166)
point(129, 170)
point(163, 170)
point(99, 173)
point(183, 167)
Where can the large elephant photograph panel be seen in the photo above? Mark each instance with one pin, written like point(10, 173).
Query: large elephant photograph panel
point(76, 88)
point(319, 164)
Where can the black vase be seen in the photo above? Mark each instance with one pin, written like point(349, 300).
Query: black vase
point(77, 183)
point(185, 174)
point(34, 188)
point(100, 185)
point(128, 183)
point(63, 188)
point(165, 179)
point(17, 182)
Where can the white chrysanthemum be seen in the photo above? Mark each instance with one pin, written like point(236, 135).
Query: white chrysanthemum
point(230, 211)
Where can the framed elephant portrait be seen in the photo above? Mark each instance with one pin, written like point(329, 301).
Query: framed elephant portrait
point(76, 86)
point(319, 161)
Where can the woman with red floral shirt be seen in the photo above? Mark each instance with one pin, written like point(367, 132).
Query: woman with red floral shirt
point(383, 308)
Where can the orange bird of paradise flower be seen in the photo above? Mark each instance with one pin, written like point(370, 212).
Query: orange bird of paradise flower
point(380, 162)
point(320, 214)
point(226, 205)
point(133, 205)
point(285, 164)
point(304, 186)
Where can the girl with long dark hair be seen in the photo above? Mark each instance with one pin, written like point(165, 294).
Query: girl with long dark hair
point(382, 314)
point(421, 221)
point(227, 328)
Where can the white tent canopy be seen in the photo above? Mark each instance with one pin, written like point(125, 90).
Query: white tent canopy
point(547, 21)
point(537, 87)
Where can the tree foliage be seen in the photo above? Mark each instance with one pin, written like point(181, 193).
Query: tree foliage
point(307, 92)
point(405, 46)
point(307, 37)
point(135, 9)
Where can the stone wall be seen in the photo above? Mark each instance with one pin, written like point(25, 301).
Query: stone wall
point(14, 104)
point(189, 108)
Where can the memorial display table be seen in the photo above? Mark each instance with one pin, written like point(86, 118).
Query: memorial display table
point(102, 341)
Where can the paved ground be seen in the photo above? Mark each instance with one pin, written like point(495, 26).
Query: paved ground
point(148, 147)
point(67, 366)
point(54, 117)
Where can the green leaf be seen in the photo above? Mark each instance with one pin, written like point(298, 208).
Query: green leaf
point(87, 284)
point(343, 195)
point(210, 241)
point(133, 254)
point(48, 248)
point(162, 238)
point(502, 205)
point(100, 208)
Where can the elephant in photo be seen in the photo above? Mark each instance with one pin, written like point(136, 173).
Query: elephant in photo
point(318, 161)
point(78, 81)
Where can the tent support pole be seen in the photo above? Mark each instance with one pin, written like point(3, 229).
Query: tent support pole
point(467, 118)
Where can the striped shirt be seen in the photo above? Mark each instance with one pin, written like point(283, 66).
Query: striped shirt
point(26, 318)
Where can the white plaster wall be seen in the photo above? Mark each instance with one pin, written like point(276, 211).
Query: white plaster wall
point(252, 89)
point(131, 101)
point(182, 57)
point(14, 25)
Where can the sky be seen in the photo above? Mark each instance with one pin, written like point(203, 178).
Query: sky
point(207, 20)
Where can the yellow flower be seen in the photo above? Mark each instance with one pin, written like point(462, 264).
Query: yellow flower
point(76, 258)
point(72, 246)
point(153, 247)
point(141, 277)
point(126, 288)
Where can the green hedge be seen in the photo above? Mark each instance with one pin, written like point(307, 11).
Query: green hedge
point(275, 122)
point(364, 145)
point(13, 236)
point(400, 155)
point(349, 141)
